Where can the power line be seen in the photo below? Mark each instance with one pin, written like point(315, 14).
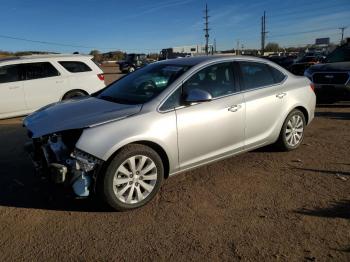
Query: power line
point(303, 32)
point(43, 42)
point(67, 45)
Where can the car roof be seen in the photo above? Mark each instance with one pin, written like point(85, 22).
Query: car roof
point(43, 56)
point(196, 60)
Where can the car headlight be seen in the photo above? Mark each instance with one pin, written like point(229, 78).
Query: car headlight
point(85, 161)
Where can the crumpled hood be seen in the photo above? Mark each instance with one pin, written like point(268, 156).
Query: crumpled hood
point(75, 114)
point(334, 67)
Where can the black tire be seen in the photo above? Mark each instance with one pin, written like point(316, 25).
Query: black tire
point(131, 69)
point(106, 188)
point(73, 94)
point(282, 142)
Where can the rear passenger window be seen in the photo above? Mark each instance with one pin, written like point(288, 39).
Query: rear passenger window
point(39, 70)
point(277, 75)
point(75, 66)
point(256, 75)
point(9, 73)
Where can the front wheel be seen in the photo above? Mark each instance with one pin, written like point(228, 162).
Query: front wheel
point(132, 178)
point(292, 132)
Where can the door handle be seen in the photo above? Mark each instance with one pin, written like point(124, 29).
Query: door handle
point(59, 81)
point(13, 87)
point(234, 108)
point(281, 95)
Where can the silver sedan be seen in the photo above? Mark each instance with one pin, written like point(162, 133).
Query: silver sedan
point(164, 119)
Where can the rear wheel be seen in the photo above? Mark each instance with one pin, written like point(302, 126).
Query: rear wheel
point(131, 69)
point(73, 94)
point(292, 132)
point(132, 178)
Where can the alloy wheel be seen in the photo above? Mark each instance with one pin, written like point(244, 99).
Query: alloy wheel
point(294, 130)
point(135, 179)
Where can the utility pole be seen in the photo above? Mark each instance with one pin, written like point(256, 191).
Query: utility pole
point(342, 33)
point(237, 48)
point(214, 45)
point(206, 29)
point(263, 33)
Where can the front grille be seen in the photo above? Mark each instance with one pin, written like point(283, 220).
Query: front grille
point(330, 78)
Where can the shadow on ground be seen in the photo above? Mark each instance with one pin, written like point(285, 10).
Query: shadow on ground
point(329, 172)
point(334, 115)
point(338, 209)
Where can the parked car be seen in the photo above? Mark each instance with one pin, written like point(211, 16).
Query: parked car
point(132, 62)
point(28, 83)
point(166, 118)
point(299, 67)
point(284, 61)
point(332, 77)
point(168, 53)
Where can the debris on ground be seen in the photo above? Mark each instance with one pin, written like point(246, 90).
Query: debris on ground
point(339, 176)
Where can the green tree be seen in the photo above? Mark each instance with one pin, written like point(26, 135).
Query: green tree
point(272, 47)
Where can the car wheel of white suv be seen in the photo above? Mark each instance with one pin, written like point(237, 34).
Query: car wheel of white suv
point(132, 178)
point(292, 132)
point(74, 93)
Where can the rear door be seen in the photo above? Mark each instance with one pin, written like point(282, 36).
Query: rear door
point(43, 84)
point(11, 90)
point(81, 76)
point(264, 97)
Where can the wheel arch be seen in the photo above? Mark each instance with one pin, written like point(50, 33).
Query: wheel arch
point(304, 111)
point(156, 147)
point(74, 90)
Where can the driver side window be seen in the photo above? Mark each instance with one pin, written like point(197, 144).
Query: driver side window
point(216, 79)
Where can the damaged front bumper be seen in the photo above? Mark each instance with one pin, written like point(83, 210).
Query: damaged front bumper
point(54, 158)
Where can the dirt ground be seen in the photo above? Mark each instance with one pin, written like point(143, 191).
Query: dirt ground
point(259, 206)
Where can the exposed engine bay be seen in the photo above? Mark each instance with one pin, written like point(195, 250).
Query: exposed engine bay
point(55, 157)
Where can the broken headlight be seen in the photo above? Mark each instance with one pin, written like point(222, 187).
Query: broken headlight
point(85, 161)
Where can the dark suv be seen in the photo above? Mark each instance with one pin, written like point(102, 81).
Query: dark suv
point(331, 78)
point(132, 62)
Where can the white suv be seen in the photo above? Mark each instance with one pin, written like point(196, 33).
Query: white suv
point(28, 83)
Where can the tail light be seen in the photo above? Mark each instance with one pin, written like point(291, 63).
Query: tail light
point(101, 77)
point(312, 86)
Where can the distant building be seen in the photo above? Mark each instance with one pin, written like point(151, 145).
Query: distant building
point(191, 49)
point(184, 51)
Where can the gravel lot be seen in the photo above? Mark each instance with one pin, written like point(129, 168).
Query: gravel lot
point(262, 205)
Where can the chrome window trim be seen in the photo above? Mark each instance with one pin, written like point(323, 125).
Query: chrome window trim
point(219, 97)
point(229, 60)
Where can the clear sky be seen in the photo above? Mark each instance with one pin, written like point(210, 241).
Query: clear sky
point(149, 26)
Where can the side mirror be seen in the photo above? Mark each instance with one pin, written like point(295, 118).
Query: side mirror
point(196, 96)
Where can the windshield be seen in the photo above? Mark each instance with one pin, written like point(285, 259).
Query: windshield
point(130, 58)
point(341, 54)
point(143, 85)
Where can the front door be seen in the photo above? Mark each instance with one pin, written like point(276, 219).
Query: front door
point(213, 129)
